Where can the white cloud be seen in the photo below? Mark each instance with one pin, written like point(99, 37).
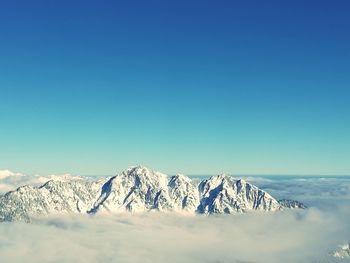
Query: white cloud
point(7, 173)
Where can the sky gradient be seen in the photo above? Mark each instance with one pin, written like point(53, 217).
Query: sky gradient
point(198, 87)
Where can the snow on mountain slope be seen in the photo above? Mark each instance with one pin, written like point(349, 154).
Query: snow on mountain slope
point(184, 193)
point(137, 189)
point(224, 194)
point(53, 197)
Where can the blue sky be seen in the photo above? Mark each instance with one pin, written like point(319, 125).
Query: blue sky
point(199, 87)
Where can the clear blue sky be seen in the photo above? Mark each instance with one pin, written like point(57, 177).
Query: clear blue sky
point(245, 87)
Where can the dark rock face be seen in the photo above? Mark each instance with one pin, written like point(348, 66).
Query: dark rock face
point(291, 204)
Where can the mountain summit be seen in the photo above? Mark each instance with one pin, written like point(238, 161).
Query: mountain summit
point(138, 189)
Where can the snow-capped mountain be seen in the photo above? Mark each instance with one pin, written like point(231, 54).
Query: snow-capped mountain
point(137, 189)
point(53, 197)
point(224, 194)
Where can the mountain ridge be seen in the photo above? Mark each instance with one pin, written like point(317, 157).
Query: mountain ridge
point(137, 189)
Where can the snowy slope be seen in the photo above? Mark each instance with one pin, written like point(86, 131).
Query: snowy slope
point(53, 197)
point(225, 194)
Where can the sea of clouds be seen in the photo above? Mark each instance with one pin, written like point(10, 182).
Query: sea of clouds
point(321, 192)
point(288, 236)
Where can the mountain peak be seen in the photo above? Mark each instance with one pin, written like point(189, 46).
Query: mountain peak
point(226, 194)
point(141, 171)
point(138, 168)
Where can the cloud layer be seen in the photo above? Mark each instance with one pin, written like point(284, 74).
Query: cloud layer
point(304, 236)
point(321, 192)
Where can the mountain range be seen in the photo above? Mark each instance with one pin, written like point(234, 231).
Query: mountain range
point(139, 189)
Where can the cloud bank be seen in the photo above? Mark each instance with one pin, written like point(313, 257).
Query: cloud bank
point(290, 236)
